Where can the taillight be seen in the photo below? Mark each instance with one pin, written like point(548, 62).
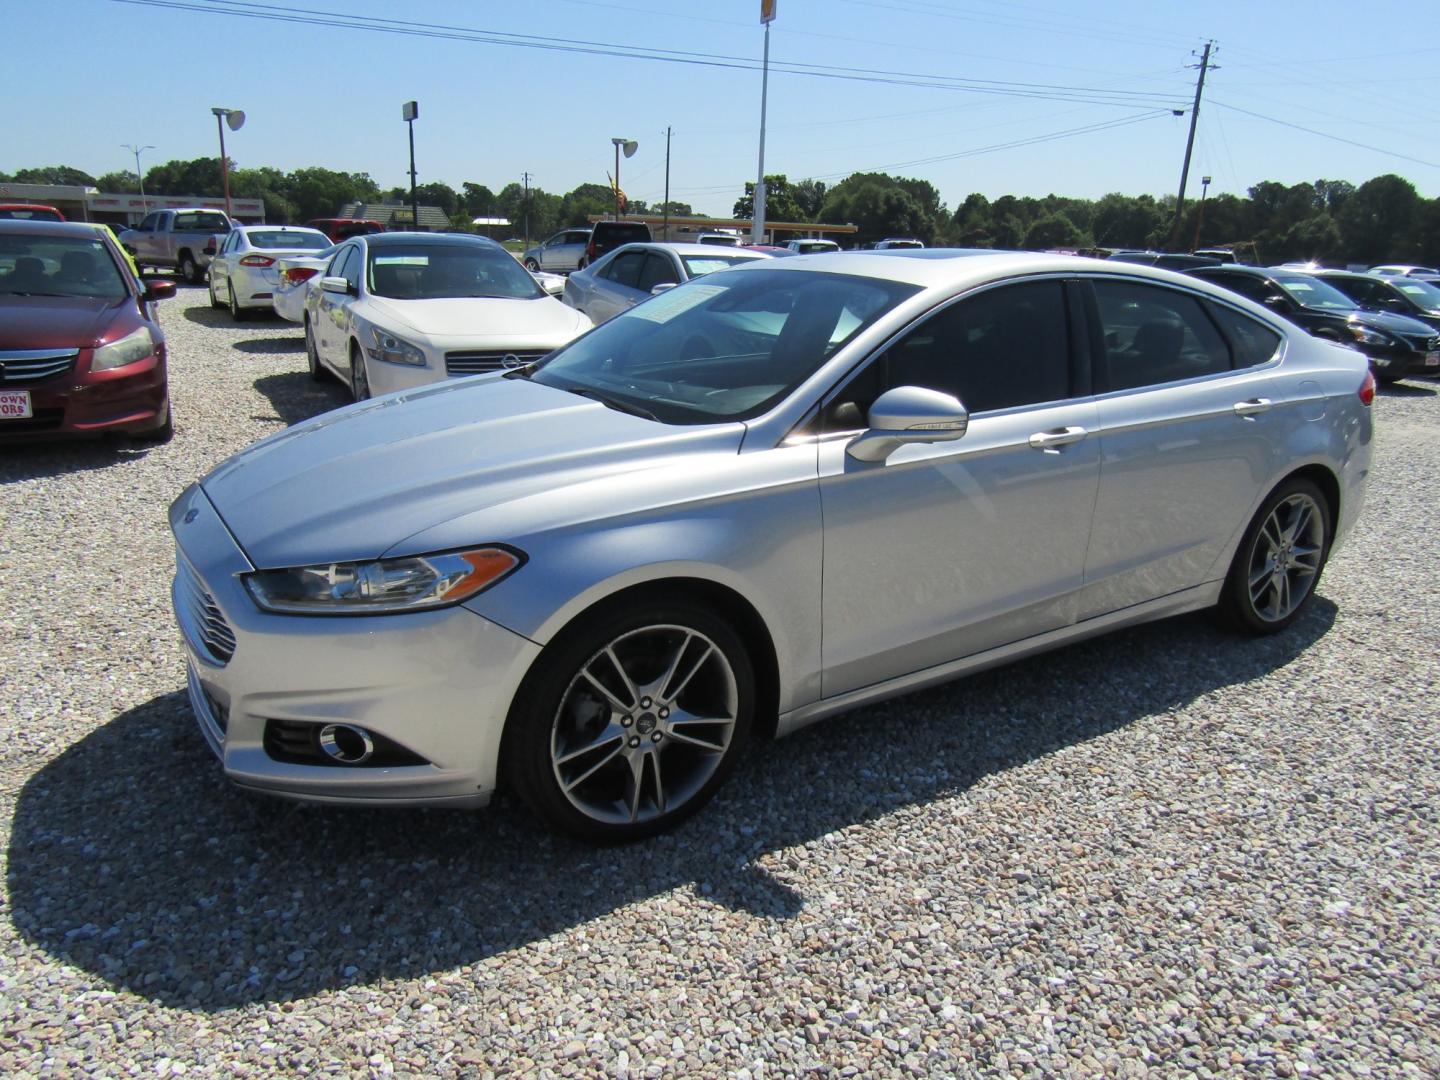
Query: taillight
point(590, 251)
point(257, 260)
point(296, 274)
point(1367, 389)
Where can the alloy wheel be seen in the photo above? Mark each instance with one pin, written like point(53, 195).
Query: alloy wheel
point(644, 725)
point(1286, 557)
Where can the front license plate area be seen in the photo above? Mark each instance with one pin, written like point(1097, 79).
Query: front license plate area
point(1432, 358)
point(15, 405)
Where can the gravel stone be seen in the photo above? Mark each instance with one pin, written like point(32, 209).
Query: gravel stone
point(1166, 851)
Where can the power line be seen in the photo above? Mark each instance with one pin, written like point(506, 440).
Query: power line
point(1327, 135)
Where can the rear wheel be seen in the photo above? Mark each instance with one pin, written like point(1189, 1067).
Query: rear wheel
point(237, 313)
point(214, 300)
point(532, 265)
point(359, 377)
point(189, 268)
point(1279, 560)
point(312, 355)
point(631, 720)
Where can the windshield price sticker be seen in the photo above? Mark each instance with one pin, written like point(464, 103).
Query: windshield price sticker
point(672, 302)
point(15, 405)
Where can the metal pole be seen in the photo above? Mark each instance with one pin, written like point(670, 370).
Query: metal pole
point(224, 162)
point(757, 229)
point(617, 179)
point(1190, 144)
point(1200, 217)
point(526, 177)
point(414, 202)
point(666, 233)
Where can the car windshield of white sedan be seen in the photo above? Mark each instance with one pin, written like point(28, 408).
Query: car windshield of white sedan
point(58, 266)
point(445, 271)
point(699, 265)
point(1313, 293)
point(288, 239)
point(725, 348)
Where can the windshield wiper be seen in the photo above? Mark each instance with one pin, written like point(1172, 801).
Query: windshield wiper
point(521, 371)
point(614, 403)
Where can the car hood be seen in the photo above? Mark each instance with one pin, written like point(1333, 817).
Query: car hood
point(1395, 324)
point(356, 483)
point(63, 322)
point(475, 318)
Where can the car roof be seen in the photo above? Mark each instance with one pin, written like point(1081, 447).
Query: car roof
point(708, 250)
point(16, 226)
point(291, 228)
point(410, 239)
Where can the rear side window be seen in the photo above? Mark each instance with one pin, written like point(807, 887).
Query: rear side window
point(658, 271)
point(1153, 335)
point(1251, 341)
point(624, 269)
point(202, 222)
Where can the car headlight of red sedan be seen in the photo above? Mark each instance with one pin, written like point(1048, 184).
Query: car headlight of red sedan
point(127, 350)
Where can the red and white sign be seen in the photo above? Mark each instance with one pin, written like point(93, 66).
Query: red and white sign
point(15, 405)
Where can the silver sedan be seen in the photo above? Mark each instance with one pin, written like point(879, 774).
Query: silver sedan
point(245, 274)
point(636, 272)
point(761, 498)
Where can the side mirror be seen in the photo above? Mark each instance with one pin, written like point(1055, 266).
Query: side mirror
point(336, 285)
point(664, 286)
point(909, 414)
point(1278, 302)
point(159, 290)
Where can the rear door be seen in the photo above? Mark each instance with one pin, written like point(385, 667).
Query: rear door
point(1188, 425)
point(617, 285)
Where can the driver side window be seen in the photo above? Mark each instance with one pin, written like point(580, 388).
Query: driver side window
point(999, 349)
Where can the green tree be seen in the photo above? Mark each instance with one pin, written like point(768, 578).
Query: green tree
point(119, 183)
point(1316, 237)
point(266, 184)
point(1124, 221)
point(1378, 223)
point(54, 174)
point(478, 200)
point(780, 203)
point(199, 176)
point(438, 194)
point(585, 202)
point(318, 192)
point(810, 197)
point(1053, 231)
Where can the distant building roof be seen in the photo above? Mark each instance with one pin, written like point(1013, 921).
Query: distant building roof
point(396, 215)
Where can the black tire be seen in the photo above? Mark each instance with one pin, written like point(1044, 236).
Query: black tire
point(1253, 584)
point(190, 269)
point(359, 377)
point(532, 265)
point(312, 355)
point(237, 313)
point(557, 708)
point(162, 434)
point(214, 300)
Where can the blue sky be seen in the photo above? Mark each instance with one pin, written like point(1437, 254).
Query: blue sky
point(325, 95)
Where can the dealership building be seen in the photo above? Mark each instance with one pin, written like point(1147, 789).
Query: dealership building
point(89, 204)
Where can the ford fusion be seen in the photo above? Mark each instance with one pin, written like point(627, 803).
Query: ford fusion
point(755, 500)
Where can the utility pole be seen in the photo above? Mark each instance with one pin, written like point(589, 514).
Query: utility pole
point(408, 112)
point(666, 233)
point(1204, 66)
point(525, 176)
point(757, 228)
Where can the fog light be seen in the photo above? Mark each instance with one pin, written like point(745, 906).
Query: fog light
point(346, 744)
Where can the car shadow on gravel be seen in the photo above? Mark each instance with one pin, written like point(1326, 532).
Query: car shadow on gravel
point(134, 860)
point(295, 396)
point(272, 345)
point(1406, 389)
point(42, 460)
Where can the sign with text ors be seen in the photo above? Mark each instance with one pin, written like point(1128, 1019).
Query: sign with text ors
point(409, 111)
point(767, 11)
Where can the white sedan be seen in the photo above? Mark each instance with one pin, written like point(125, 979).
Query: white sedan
point(244, 273)
point(636, 272)
point(296, 274)
point(399, 310)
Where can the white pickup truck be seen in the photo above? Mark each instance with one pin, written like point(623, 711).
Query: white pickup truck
point(179, 239)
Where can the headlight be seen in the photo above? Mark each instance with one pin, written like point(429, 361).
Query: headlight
point(1370, 337)
point(127, 350)
point(394, 350)
point(411, 583)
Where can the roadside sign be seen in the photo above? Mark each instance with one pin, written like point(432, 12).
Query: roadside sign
point(767, 11)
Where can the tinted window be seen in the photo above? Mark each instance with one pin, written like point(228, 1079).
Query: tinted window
point(1005, 347)
point(147, 224)
point(658, 271)
point(293, 239)
point(1247, 285)
point(422, 271)
point(625, 269)
point(352, 272)
point(1251, 341)
point(58, 266)
point(343, 262)
point(202, 221)
point(727, 347)
point(1154, 335)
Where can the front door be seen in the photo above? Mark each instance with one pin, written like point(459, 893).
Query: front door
point(949, 549)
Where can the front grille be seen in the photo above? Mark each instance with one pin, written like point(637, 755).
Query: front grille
point(473, 362)
point(19, 366)
point(216, 637)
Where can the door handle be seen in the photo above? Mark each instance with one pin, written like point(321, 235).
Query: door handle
point(1051, 441)
point(1252, 407)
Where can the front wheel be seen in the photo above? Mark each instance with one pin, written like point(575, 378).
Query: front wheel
point(359, 377)
point(1279, 560)
point(532, 265)
point(631, 720)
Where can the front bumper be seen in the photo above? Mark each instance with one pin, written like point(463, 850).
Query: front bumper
point(437, 684)
point(129, 400)
point(1397, 361)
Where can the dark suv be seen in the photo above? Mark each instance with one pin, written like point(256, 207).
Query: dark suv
point(1396, 345)
point(606, 236)
point(1410, 296)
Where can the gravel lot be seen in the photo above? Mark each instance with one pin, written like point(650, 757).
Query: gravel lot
point(1170, 850)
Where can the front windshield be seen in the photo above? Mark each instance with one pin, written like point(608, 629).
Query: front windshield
point(1424, 294)
point(699, 265)
point(1313, 293)
point(727, 347)
point(291, 239)
point(58, 266)
point(421, 271)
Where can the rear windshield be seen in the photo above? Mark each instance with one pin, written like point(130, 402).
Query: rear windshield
point(448, 271)
point(293, 239)
point(810, 247)
point(696, 265)
point(30, 213)
point(202, 221)
point(58, 266)
point(619, 233)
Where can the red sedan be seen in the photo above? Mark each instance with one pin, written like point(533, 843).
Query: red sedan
point(80, 350)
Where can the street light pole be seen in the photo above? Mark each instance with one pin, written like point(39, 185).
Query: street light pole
point(1200, 216)
point(139, 176)
point(757, 228)
point(409, 111)
point(236, 119)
